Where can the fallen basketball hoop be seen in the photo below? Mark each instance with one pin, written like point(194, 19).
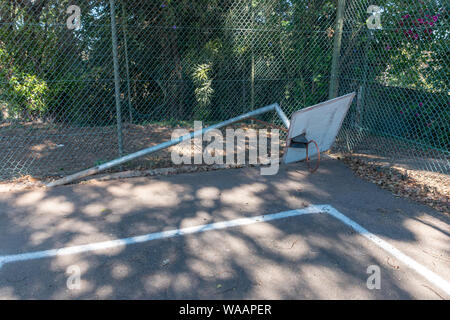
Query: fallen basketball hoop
point(320, 123)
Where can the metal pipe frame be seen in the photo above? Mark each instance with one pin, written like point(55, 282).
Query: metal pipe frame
point(82, 174)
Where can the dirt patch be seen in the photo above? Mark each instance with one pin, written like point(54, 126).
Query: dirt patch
point(44, 151)
point(63, 152)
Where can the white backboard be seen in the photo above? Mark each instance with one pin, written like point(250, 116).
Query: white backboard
point(320, 123)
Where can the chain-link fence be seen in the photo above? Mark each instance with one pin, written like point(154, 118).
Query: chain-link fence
point(400, 69)
point(73, 96)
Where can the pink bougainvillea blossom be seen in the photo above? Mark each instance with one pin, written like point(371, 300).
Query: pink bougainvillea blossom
point(420, 104)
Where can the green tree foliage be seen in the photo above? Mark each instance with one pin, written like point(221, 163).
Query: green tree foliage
point(186, 58)
point(403, 67)
point(212, 59)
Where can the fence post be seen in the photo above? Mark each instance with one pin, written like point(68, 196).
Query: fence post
point(334, 78)
point(127, 68)
point(252, 76)
point(360, 105)
point(116, 76)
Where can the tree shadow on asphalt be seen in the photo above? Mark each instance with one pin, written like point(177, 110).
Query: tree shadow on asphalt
point(307, 257)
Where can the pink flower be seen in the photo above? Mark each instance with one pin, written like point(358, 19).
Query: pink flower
point(410, 32)
point(421, 21)
point(420, 104)
point(417, 114)
point(431, 23)
point(406, 16)
point(435, 18)
point(416, 36)
point(401, 112)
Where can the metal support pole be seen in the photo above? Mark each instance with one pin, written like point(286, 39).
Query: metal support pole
point(273, 107)
point(282, 116)
point(252, 76)
point(253, 81)
point(127, 68)
point(116, 76)
point(360, 105)
point(334, 78)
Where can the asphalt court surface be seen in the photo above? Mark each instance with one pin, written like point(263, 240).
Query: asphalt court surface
point(308, 256)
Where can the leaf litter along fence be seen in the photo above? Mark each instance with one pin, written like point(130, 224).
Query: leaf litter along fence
point(73, 96)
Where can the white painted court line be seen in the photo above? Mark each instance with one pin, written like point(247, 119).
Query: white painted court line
point(420, 269)
point(426, 273)
point(158, 235)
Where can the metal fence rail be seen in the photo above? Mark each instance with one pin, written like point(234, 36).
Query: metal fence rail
point(75, 96)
